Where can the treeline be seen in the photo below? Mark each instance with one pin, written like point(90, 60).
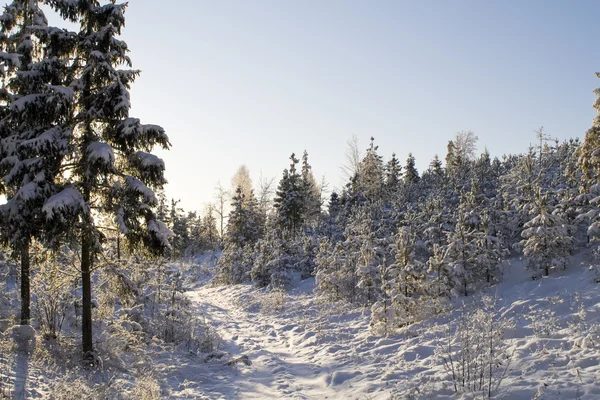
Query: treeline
point(404, 242)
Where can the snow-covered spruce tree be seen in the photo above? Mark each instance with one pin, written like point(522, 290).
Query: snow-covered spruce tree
point(179, 225)
point(368, 236)
point(433, 179)
point(460, 257)
point(34, 131)
point(333, 225)
point(209, 231)
point(589, 163)
point(484, 175)
point(244, 229)
point(306, 258)
point(491, 250)
point(274, 261)
point(546, 241)
point(335, 270)
point(411, 175)
point(404, 282)
point(368, 268)
point(289, 201)
point(517, 187)
point(393, 175)
point(111, 170)
point(312, 194)
point(370, 174)
point(441, 282)
point(434, 221)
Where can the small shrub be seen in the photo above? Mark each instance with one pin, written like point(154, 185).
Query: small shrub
point(543, 321)
point(147, 388)
point(53, 296)
point(474, 353)
point(70, 388)
point(273, 302)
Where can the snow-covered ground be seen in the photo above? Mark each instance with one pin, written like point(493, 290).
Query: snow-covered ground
point(303, 348)
point(296, 345)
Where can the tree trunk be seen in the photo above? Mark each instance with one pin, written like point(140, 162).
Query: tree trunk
point(25, 296)
point(118, 247)
point(86, 287)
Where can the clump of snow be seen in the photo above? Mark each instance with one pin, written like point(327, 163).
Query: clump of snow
point(55, 137)
point(22, 102)
point(69, 200)
point(28, 191)
point(161, 231)
point(67, 92)
point(120, 221)
point(101, 152)
point(138, 186)
point(149, 160)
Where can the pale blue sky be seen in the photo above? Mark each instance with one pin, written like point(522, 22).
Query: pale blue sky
point(251, 82)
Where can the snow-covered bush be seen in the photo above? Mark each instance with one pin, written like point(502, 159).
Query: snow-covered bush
point(146, 387)
point(72, 389)
point(474, 352)
point(273, 302)
point(149, 302)
point(54, 296)
point(235, 264)
point(543, 321)
point(335, 270)
point(546, 241)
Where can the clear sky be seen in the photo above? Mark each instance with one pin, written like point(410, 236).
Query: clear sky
point(250, 82)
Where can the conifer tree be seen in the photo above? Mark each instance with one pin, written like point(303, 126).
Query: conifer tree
point(460, 257)
point(436, 166)
point(209, 229)
point(546, 241)
point(311, 193)
point(393, 175)
point(589, 164)
point(113, 172)
point(243, 227)
point(370, 177)
point(289, 200)
point(409, 275)
point(34, 127)
point(411, 175)
point(179, 226)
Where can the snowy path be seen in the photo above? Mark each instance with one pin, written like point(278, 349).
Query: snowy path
point(277, 370)
point(293, 354)
point(314, 351)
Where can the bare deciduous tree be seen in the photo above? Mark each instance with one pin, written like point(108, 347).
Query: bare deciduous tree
point(241, 179)
point(353, 157)
point(221, 196)
point(465, 144)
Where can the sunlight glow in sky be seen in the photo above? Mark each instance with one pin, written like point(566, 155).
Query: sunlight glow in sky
point(250, 82)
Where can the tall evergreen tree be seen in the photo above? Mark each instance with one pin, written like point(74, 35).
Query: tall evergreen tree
point(289, 200)
point(546, 240)
point(112, 172)
point(311, 193)
point(370, 177)
point(435, 166)
point(411, 175)
point(243, 227)
point(393, 175)
point(34, 127)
